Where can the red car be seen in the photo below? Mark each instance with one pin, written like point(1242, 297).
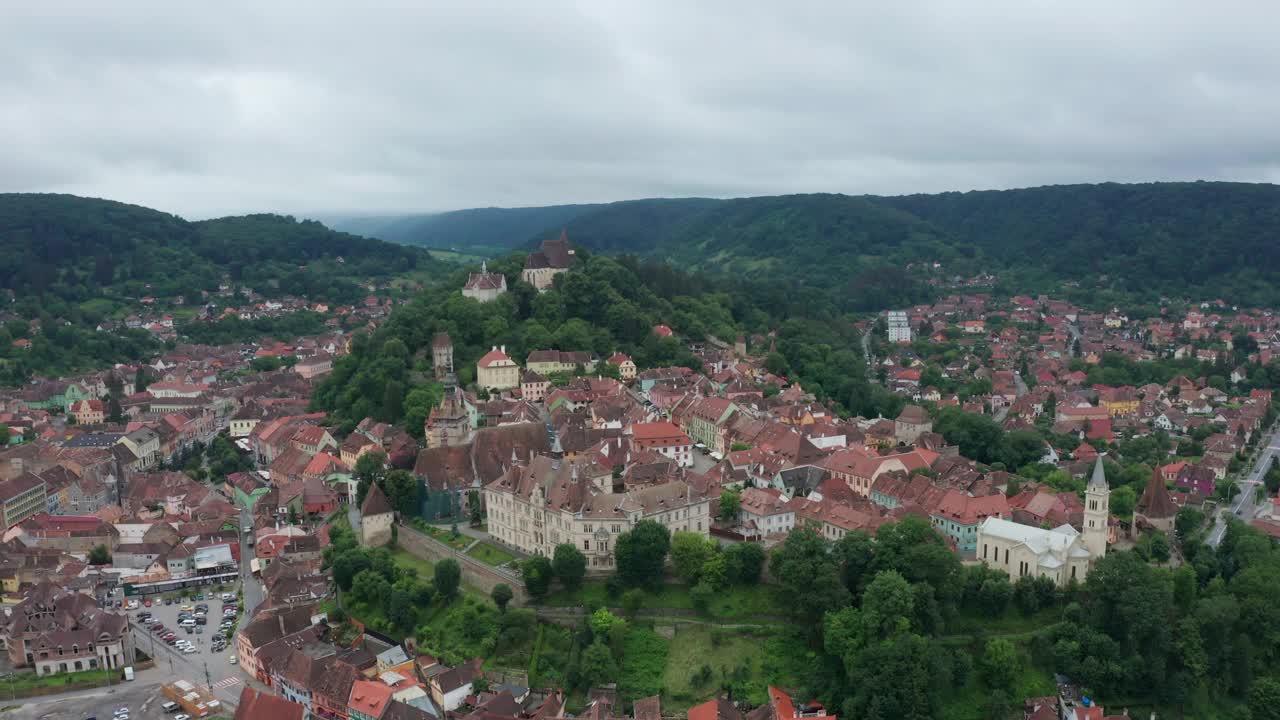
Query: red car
point(147, 602)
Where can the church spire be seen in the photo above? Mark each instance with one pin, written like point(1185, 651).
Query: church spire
point(1099, 479)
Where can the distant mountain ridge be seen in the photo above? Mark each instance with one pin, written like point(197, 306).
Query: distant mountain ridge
point(1195, 239)
point(484, 229)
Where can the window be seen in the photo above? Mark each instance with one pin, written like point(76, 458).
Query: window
point(984, 551)
point(586, 544)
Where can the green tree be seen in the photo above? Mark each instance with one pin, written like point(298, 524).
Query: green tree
point(1264, 699)
point(730, 504)
point(1122, 502)
point(1187, 521)
point(99, 555)
point(604, 623)
point(641, 552)
point(803, 560)
point(689, 552)
point(369, 586)
point(632, 601)
point(537, 575)
point(347, 565)
point(744, 563)
point(401, 611)
point(1000, 665)
point(404, 491)
point(370, 468)
point(569, 565)
point(597, 666)
point(501, 595)
point(447, 577)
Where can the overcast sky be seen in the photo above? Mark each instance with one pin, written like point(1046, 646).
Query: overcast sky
point(225, 107)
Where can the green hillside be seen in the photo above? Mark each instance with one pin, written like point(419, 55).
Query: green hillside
point(72, 263)
point(77, 249)
point(477, 230)
point(1195, 240)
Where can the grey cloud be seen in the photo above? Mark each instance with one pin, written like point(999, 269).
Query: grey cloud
point(324, 106)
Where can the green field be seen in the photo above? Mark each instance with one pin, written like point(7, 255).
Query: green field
point(701, 659)
point(490, 554)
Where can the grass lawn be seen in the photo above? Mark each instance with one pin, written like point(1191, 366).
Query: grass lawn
point(24, 682)
point(426, 570)
point(444, 535)
point(735, 603)
point(728, 654)
point(490, 554)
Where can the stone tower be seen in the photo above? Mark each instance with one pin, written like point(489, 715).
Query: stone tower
point(1097, 501)
point(442, 355)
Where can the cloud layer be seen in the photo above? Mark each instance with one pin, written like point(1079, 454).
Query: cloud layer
point(321, 106)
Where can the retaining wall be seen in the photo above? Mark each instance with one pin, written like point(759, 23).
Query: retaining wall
point(482, 576)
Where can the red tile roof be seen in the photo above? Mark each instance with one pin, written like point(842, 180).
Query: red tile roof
point(256, 705)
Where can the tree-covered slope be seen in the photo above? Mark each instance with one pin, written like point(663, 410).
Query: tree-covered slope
point(1200, 238)
point(77, 249)
point(1197, 239)
point(480, 229)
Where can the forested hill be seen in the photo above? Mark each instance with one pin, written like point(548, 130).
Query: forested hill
point(1197, 239)
point(478, 229)
point(71, 249)
point(1210, 239)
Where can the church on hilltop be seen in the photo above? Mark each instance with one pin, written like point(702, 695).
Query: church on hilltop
point(484, 285)
point(1062, 554)
point(550, 259)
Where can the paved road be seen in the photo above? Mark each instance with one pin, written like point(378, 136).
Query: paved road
point(1244, 505)
point(253, 595)
point(142, 697)
point(1075, 333)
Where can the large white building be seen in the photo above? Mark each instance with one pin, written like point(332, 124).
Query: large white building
point(899, 327)
point(538, 505)
point(484, 285)
point(1062, 554)
point(497, 371)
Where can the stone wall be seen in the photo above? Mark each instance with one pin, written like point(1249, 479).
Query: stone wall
point(476, 574)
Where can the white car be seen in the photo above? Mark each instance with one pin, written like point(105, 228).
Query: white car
point(232, 659)
point(183, 716)
point(122, 711)
point(188, 650)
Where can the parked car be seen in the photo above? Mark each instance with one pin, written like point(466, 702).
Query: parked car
point(232, 659)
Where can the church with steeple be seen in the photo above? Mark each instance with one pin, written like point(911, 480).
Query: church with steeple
point(1062, 554)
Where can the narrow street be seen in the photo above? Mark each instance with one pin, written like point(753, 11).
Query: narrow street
point(253, 596)
point(1243, 505)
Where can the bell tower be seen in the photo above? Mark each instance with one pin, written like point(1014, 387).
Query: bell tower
point(1097, 501)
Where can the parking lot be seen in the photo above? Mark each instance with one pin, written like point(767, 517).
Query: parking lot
point(208, 661)
point(142, 701)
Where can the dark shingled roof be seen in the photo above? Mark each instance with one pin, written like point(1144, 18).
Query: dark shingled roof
point(1156, 501)
point(375, 502)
